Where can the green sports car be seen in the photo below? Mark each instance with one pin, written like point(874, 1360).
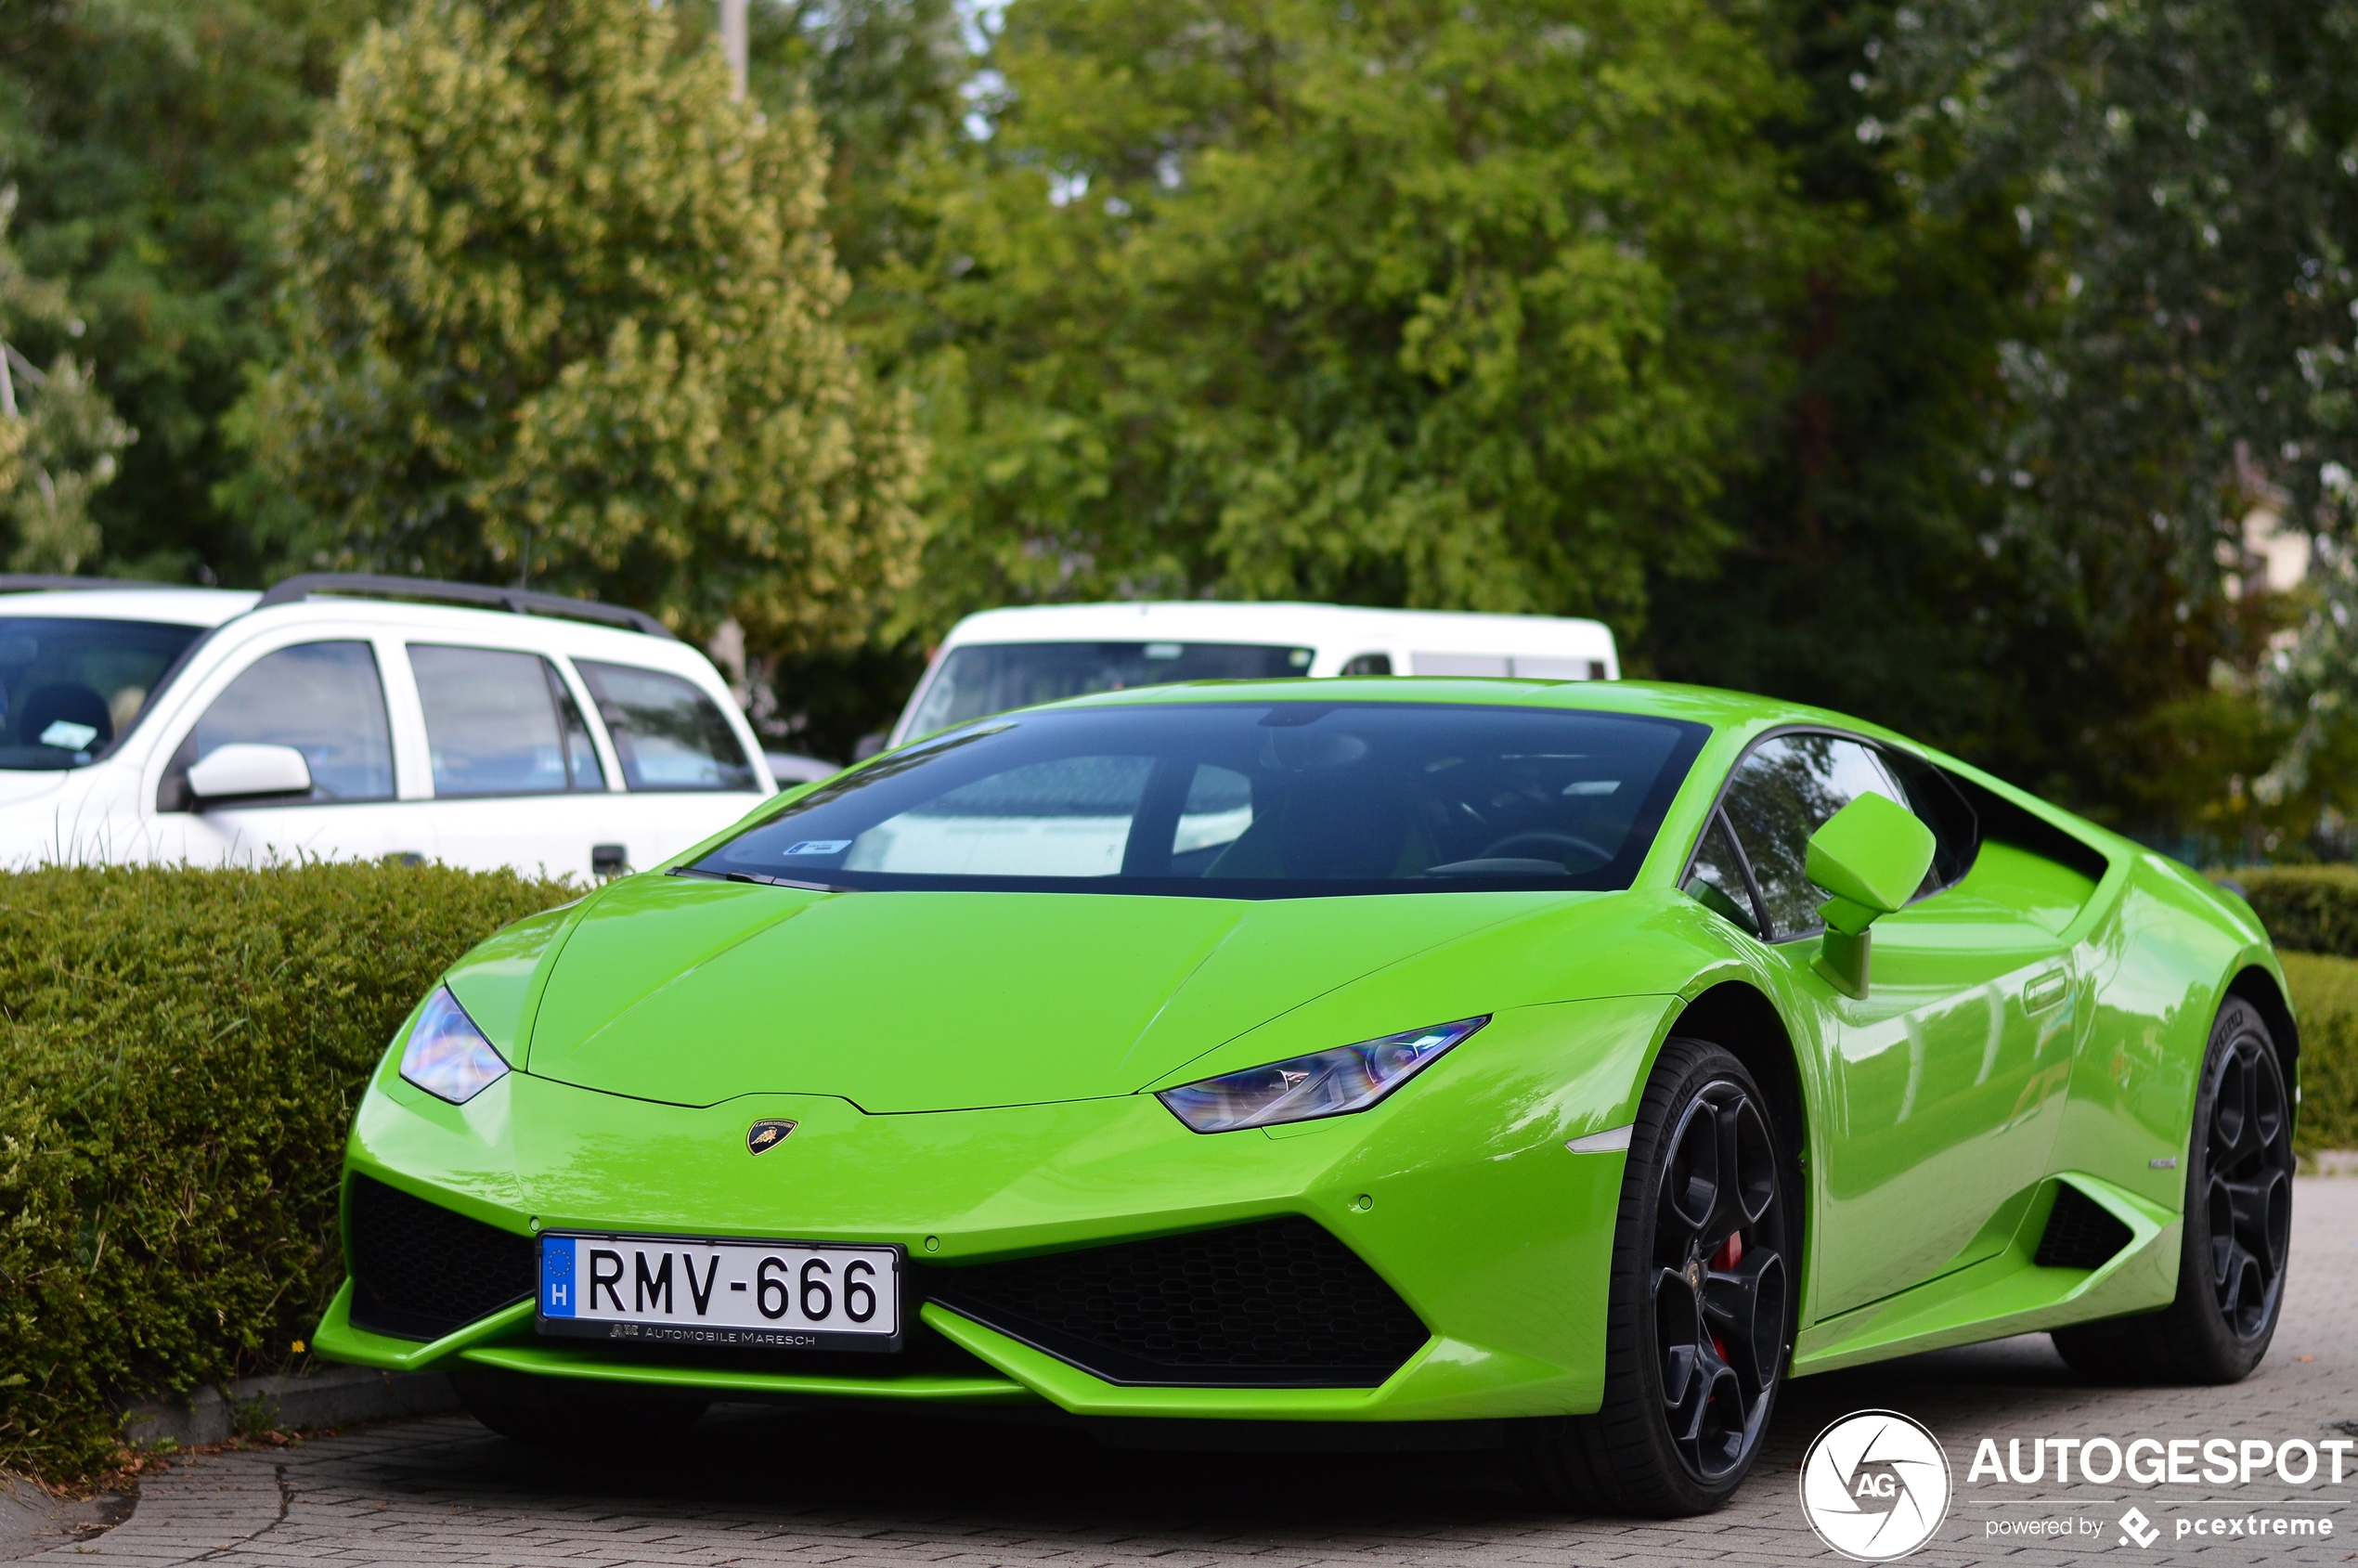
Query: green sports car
point(1551, 1065)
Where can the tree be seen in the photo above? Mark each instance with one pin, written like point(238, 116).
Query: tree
point(1395, 301)
point(558, 310)
point(58, 434)
point(2187, 172)
point(151, 139)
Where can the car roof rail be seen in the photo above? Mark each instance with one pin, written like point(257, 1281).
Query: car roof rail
point(519, 601)
point(43, 582)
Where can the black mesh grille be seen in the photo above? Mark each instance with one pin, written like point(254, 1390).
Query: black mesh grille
point(1278, 1304)
point(420, 1271)
point(2080, 1233)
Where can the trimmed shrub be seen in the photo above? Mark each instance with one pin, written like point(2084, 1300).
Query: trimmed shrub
point(2306, 908)
point(180, 1053)
point(2324, 998)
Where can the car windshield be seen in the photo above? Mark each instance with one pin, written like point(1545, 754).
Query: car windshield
point(982, 679)
point(1247, 799)
point(70, 686)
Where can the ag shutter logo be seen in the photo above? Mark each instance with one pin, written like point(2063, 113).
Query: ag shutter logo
point(1875, 1486)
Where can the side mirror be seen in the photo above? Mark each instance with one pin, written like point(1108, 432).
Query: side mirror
point(1871, 856)
point(229, 772)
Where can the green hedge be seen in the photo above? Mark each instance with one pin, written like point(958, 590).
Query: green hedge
point(180, 1051)
point(2324, 998)
point(2306, 908)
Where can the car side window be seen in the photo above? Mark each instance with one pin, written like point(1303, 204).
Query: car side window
point(1717, 879)
point(1783, 790)
point(324, 699)
point(668, 735)
point(501, 722)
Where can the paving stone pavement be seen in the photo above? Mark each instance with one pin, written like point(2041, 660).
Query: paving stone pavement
point(775, 1487)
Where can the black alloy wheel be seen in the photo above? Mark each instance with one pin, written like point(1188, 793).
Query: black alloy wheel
point(2248, 1160)
point(1720, 1288)
point(1700, 1307)
point(2237, 1239)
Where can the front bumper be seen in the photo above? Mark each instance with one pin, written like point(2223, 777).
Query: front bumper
point(1457, 1191)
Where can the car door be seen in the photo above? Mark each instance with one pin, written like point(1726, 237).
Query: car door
point(327, 699)
point(1946, 1080)
point(684, 771)
point(517, 778)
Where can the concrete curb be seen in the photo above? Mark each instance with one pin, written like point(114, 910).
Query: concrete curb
point(334, 1397)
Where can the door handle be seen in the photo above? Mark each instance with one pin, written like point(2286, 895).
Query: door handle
point(2045, 991)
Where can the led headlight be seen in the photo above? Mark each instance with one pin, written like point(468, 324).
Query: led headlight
point(1323, 1083)
point(447, 1057)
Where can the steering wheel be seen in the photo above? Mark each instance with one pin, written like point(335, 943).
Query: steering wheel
point(1524, 844)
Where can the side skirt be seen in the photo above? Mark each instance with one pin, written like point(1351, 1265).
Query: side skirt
point(2008, 1293)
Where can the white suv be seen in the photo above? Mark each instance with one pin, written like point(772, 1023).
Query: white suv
point(337, 716)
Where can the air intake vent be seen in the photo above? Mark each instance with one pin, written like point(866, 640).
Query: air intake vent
point(2080, 1232)
point(420, 1271)
point(1276, 1304)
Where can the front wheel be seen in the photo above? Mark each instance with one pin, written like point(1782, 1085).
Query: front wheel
point(2238, 1228)
point(1699, 1309)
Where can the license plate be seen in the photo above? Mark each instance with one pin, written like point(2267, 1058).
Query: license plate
point(738, 1295)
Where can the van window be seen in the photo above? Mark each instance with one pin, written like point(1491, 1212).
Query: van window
point(501, 722)
point(324, 699)
point(666, 735)
point(982, 679)
point(1521, 666)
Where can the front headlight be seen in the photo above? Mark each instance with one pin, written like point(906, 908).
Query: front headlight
point(447, 1057)
point(1323, 1083)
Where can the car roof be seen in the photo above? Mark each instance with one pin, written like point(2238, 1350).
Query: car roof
point(178, 606)
point(1282, 622)
point(1701, 705)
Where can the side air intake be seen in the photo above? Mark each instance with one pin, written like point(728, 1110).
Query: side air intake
point(1279, 1304)
point(420, 1271)
point(2080, 1232)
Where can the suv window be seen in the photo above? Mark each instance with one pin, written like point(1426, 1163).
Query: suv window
point(1788, 785)
point(666, 735)
point(69, 687)
point(324, 699)
point(501, 722)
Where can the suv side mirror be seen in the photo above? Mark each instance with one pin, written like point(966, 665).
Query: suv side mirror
point(1871, 856)
point(239, 769)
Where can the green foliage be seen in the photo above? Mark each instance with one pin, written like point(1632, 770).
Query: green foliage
point(2324, 1000)
point(58, 435)
point(2179, 176)
point(560, 310)
point(180, 1051)
point(151, 139)
point(1395, 303)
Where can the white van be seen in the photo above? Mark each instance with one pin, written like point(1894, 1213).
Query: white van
point(1003, 659)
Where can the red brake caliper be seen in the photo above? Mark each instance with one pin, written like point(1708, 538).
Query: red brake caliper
point(1730, 1253)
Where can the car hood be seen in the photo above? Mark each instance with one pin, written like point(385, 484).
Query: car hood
point(691, 992)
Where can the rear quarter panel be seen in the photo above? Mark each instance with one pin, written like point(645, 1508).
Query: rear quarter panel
point(2157, 963)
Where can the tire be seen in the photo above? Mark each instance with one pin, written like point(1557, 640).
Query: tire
point(567, 1414)
point(1699, 1314)
point(2238, 1228)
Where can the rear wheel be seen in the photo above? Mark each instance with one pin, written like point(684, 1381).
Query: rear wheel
point(566, 1413)
point(1699, 1309)
point(2238, 1228)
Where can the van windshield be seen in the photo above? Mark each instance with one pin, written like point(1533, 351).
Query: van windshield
point(69, 685)
point(1243, 799)
point(982, 679)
